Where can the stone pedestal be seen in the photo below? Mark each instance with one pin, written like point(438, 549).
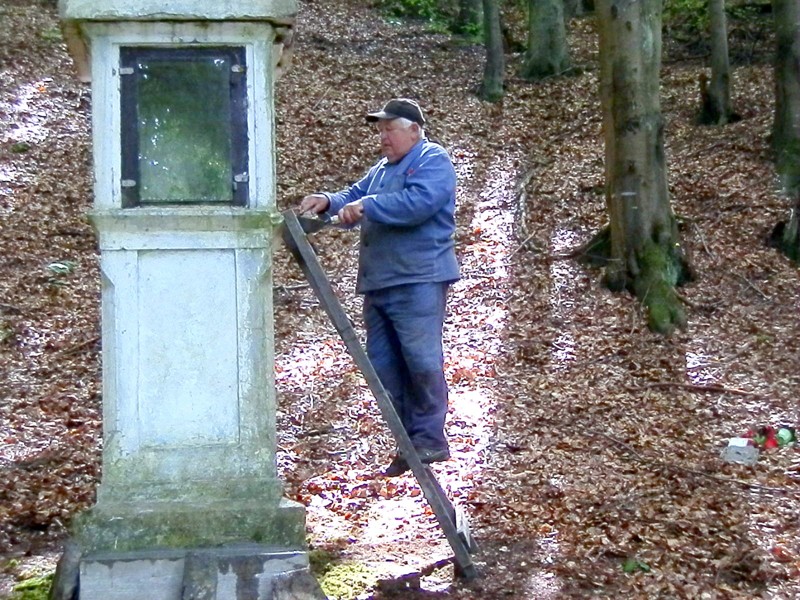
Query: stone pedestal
point(184, 207)
point(244, 572)
point(189, 402)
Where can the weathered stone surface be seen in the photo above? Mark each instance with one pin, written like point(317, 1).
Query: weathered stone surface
point(189, 433)
point(199, 577)
point(132, 527)
point(199, 10)
point(235, 572)
point(189, 402)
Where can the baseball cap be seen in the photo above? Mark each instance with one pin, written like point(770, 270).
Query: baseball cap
point(399, 108)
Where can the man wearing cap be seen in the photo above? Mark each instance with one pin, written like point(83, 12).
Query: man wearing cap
point(405, 205)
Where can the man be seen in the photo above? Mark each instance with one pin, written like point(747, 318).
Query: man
point(405, 205)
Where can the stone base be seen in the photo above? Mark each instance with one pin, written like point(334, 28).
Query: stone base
point(233, 572)
point(147, 526)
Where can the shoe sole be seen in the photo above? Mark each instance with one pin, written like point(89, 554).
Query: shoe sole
point(425, 461)
point(435, 458)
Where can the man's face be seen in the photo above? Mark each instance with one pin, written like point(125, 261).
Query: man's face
point(397, 140)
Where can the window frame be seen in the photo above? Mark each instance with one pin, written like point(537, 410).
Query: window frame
point(130, 55)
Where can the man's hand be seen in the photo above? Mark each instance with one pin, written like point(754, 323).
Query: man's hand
point(352, 213)
point(315, 203)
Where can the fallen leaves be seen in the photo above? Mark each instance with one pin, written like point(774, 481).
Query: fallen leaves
point(582, 443)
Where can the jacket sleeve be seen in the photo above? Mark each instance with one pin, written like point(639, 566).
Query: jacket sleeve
point(355, 192)
point(430, 183)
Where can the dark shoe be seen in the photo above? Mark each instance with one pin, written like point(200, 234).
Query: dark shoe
point(397, 467)
point(428, 456)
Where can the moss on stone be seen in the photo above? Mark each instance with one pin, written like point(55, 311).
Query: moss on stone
point(126, 528)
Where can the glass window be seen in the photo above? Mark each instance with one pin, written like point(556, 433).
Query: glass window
point(184, 126)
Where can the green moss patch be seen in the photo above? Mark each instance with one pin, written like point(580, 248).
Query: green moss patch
point(340, 581)
point(33, 588)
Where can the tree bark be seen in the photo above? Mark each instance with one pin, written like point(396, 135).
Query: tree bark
point(786, 125)
point(574, 8)
point(547, 52)
point(494, 71)
point(645, 252)
point(716, 108)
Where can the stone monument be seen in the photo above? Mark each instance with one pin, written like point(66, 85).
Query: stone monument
point(190, 504)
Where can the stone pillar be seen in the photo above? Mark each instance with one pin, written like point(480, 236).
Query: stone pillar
point(184, 208)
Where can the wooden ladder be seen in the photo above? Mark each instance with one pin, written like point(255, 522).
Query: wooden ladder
point(452, 521)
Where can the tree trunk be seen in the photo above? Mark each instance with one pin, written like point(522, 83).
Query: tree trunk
point(547, 52)
point(786, 126)
point(469, 16)
point(573, 8)
point(645, 254)
point(494, 72)
point(716, 107)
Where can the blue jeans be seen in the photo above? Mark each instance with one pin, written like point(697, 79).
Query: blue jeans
point(404, 343)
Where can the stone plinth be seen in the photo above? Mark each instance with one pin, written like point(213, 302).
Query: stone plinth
point(244, 572)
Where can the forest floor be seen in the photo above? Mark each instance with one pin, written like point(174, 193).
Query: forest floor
point(586, 449)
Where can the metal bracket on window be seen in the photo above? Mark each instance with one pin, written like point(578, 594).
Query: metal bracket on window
point(238, 68)
point(241, 178)
point(126, 71)
point(128, 183)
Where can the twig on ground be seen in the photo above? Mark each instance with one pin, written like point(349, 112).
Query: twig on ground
point(291, 288)
point(625, 445)
point(525, 179)
point(668, 465)
point(697, 305)
point(321, 98)
point(749, 283)
point(522, 245)
point(10, 308)
point(317, 432)
point(685, 300)
point(79, 347)
point(719, 389)
point(702, 240)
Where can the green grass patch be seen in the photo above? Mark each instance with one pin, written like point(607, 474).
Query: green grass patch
point(36, 587)
point(52, 35)
point(20, 147)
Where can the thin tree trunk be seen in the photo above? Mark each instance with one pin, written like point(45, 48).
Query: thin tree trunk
point(469, 16)
point(573, 8)
point(716, 107)
point(786, 125)
point(547, 52)
point(494, 72)
point(645, 252)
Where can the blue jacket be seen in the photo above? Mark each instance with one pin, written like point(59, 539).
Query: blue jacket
point(409, 219)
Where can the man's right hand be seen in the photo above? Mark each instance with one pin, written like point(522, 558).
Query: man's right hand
point(315, 203)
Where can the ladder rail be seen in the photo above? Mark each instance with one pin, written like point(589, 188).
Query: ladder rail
point(297, 242)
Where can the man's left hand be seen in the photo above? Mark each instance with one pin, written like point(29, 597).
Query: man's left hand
point(352, 213)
